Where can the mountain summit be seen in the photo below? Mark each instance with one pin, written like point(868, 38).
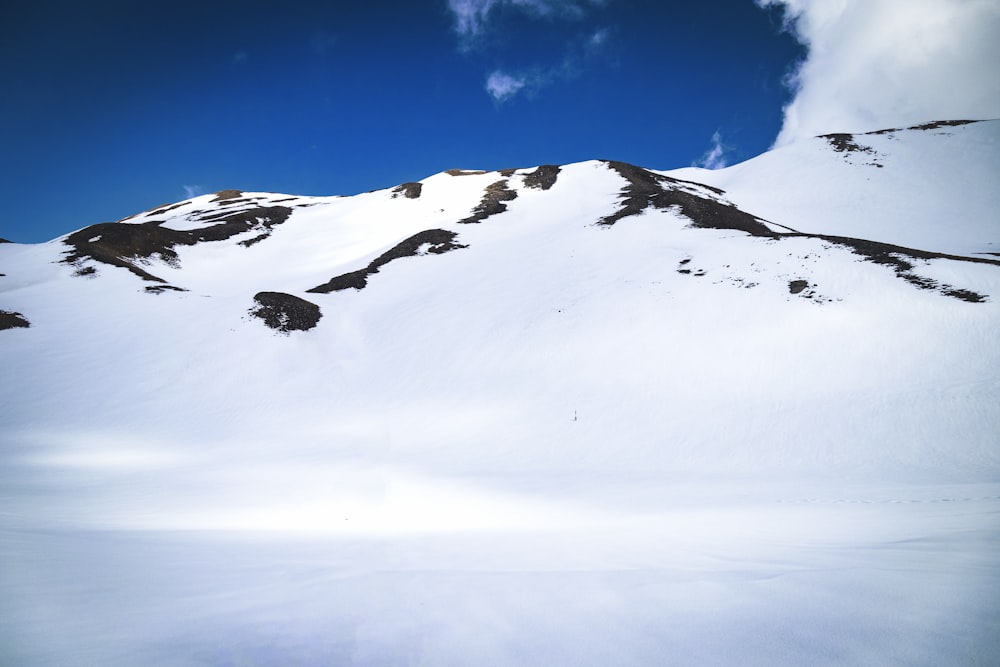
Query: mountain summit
point(578, 350)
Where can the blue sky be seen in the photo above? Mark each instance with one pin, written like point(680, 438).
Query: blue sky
point(114, 107)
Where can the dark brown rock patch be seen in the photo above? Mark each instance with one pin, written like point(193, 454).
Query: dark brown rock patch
point(160, 289)
point(408, 190)
point(845, 143)
point(797, 286)
point(898, 258)
point(12, 320)
point(646, 189)
point(492, 202)
point(431, 241)
point(222, 195)
point(130, 245)
point(941, 123)
point(285, 312)
point(542, 178)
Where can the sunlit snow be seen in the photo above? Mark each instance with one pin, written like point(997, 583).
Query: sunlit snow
point(563, 444)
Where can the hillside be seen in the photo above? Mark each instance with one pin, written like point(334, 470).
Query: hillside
point(702, 417)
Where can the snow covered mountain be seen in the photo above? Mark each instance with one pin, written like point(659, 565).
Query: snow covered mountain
point(508, 408)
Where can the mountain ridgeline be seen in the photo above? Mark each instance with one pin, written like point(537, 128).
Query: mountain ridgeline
point(156, 246)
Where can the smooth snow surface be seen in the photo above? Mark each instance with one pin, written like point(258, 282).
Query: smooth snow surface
point(562, 444)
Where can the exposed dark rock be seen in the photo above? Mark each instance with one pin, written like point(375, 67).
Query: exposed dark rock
point(222, 195)
point(963, 294)
point(542, 178)
point(465, 172)
point(159, 289)
point(12, 320)
point(229, 203)
point(432, 241)
point(898, 258)
point(119, 244)
point(255, 240)
point(408, 190)
point(285, 312)
point(352, 279)
point(890, 255)
point(941, 123)
point(796, 286)
point(646, 189)
point(165, 208)
point(492, 202)
point(844, 143)
point(438, 241)
point(888, 130)
point(507, 173)
point(231, 223)
point(126, 245)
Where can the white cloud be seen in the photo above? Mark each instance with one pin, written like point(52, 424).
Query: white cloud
point(472, 16)
point(191, 191)
point(874, 64)
point(502, 86)
point(714, 157)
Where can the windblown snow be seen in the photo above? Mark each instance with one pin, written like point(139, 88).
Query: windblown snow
point(580, 415)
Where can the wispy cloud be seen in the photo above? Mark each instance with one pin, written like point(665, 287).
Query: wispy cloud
point(191, 191)
point(873, 64)
point(714, 157)
point(475, 18)
point(502, 86)
point(597, 38)
point(472, 17)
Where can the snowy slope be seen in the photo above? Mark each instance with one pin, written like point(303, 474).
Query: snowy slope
point(628, 400)
point(867, 186)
